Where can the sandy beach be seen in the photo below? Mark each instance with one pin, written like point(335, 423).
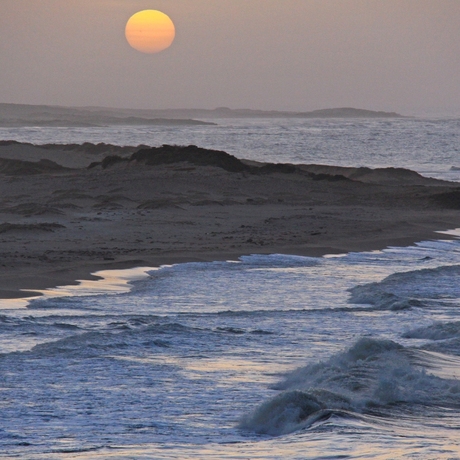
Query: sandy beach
point(60, 221)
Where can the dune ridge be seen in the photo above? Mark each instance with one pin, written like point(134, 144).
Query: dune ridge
point(61, 220)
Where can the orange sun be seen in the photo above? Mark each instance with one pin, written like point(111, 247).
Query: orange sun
point(150, 31)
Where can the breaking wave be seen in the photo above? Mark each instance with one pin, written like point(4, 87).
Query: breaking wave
point(371, 376)
point(418, 288)
point(437, 331)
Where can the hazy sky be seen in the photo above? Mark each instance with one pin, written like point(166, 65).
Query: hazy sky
point(401, 55)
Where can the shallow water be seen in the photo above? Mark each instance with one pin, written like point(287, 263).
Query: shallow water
point(353, 356)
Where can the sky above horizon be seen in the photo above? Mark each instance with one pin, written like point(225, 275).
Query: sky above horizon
point(301, 55)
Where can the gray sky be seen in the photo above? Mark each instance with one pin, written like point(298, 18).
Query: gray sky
point(401, 55)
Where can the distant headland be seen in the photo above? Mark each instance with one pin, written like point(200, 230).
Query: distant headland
point(16, 115)
point(341, 112)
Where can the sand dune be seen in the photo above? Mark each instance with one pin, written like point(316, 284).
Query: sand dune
point(149, 206)
point(66, 155)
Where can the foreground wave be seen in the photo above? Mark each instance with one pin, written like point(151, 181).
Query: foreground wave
point(369, 377)
point(269, 356)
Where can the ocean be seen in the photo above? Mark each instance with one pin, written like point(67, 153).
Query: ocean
point(351, 356)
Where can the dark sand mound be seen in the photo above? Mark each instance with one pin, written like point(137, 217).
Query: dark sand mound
point(19, 167)
point(379, 176)
point(170, 154)
point(196, 156)
point(107, 156)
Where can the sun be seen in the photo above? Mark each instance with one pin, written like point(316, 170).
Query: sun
point(150, 31)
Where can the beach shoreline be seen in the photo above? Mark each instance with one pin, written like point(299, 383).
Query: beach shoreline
point(31, 283)
point(59, 223)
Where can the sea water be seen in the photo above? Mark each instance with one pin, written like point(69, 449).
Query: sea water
point(428, 146)
point(268, 356)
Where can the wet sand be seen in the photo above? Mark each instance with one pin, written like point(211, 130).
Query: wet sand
point(60, 221)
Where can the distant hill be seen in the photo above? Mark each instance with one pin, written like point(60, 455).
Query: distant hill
point(348, 112)
point(15, 115)
point(344, 112)
point(225, 112)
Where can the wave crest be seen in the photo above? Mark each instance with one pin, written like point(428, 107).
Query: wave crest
point(371, 375)
point(405, 290)
point(287, 412)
